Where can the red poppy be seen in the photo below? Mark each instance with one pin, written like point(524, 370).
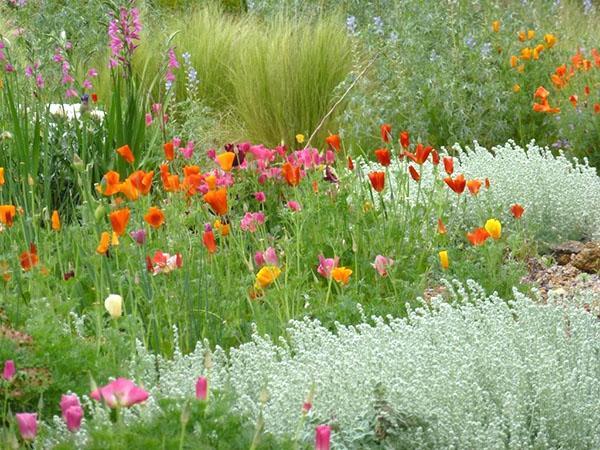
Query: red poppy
point(435, 157)
point(457, 184)
point(597, 108)
point(421, 154)
point(413, 173)
point(7, 214)
point(386, 132)
point(169, 149)
point(478, 236)
point(29, 259)
point(208, 239)
point(404, 139)
point(350, 164)
point(291, 174)
point(517, 210)
point(95, 98)
point(126, 153)
point(573, 99)
point(448, 164)
point(334, 141)
point(217, 200)
point(474, 186)
point(383, 156)
point(377, 180)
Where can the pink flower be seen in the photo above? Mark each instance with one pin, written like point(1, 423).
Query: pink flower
point(202, 388)
point(67, 401)
point(73, 416)
point(148, 119)
point(138, 236)
point(211, 153)
point(260, 197)
point(9, 370)
point(156, 107)
point(294, 206)
point(306, 407)
point(329, 157)
point(165, 263)
point(251, 220)
point(27, 425)
point(92, 73)
point(87, 84)
point(381, 264)
point(269, 257)
point(188, 150)
point(120, 392)
point(323, 437)
point(259, 258)
point(326, 265)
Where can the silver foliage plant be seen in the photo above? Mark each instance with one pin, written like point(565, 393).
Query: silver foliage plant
point(476, 372)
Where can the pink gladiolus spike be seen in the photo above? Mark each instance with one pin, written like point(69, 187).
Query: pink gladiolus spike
point(202, 388)
point(9, 370)
point(323, 437)
point(120, 392)
point(73, 416)
point(27, 423)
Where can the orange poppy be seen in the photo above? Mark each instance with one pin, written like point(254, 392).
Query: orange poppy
point(596, 108)
point(334, 141)
point(217, 200)
point(377, 180)
point(119, 220)
point(169, 150)
point(517, 210)
point(142, 181)
point(413, 173)
point(208, 239)
point(350, 164)
point(129, 190)
point(291, 174)
point(541, 93)
point(383, 156)
point(2, 181)
point(104, 243)
point(421, 154)
point(435, 157)
point(225, 160)
point(545, 107)
point(386, 132)
point(211, 182)
point(441, 228)
point(55, 221)
point(478, 236)
point(457, 184)
point(29, 259)
point(474, 186)
point(126, 153)
point(573, 99)
point(154, 217)
point(110, 183)
point(7, 214)
point(487, 183)
point(448, 164)
point(170, 182)
point(404, 139)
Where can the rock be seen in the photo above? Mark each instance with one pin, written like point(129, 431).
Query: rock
point(588, 259)
point(565, 251)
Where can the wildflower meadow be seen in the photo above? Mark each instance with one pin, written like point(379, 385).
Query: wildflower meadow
point(333, 224)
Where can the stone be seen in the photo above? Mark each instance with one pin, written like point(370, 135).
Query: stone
point(563, 253)
point(588, 259)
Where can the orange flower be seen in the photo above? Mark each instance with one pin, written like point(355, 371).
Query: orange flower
point(225, 160)
point(596, 108)
point(7, 214)
point(441, 228)
point(421, 154)
point(110, 183)
point(487, 183)
point(383, 156)
point(142, 181)
point(377, 180)
point(541, 93)
point(2, 181)
point(517, 210)
point(474, 186)
point(350, 164)
point(334, 141)
point(129, 190)
point(291, 174)
point(211, 182)
point(217, 200)
point(478, 236)
point(514, 60)
point(550, 40)
point(545, 107)
point(526, 53)
point(29, 259)
point(522, 36)
point(537, 50)
point(413, 173)
point(404, 139)
point(341, 274)
point(208, 239)
point(386, 132)
point(222, 227)
point(457, 184)
point(119, 220)
point(126, 154)
point(530, 34)
point(170, 182)
point(169, 150)
point(104, 243)
point(55, 221)
point(448, 164)
point(435, 157)
point(154, 217)
point(496, 26)
point(573, 99)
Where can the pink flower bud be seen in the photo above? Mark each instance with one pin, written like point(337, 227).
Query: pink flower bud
point(202, 388)
point(73, 416)
point(322, 437)
point(27, 423)
point(9, 370)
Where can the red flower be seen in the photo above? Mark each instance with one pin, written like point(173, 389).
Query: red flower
point(334, 141)
point(421, 154)
point(404, 139)
point(414, 174)
point(350, 164)
point(386, 132)
point(383, 156)
point(457, 184)
point(435, 157)
point(517, 210)
point(169, 150)
point(29, 259)
point(208, 239)
point(217, 201)
point(478, 236)
point(95, 98)
point(448, 164)
point(474, 186)
point(291, 174)
point(487, 183)
point(377, 180)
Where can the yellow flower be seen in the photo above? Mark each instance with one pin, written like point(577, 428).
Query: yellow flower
point(550, 40)
point(367, 206)
point(537, 50)
point(341, 274)
point(516, 88)
point(114, 305)
point(526, 53)
point(514, 60)
point(496, 26)
point(494, 228)
point(521, 68)
point(444, 261)
point(522, 36)
point(265, 276)
point(300, 138)
point(115, 239)
point(530, 34)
